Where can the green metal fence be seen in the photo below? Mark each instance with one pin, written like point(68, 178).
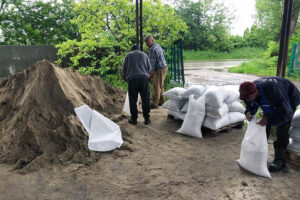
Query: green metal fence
point(294, 67)
point(174, 58)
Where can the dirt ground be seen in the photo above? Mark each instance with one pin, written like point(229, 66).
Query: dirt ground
point(156, 163)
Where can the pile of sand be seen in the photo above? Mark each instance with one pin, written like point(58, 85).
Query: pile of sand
point(38, 124)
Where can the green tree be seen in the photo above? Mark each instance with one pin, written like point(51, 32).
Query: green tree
point(25, 22)
point(269, 17)
point(208, 24)
point(107, 30)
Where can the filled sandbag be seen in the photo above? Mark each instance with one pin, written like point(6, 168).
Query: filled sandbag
point(179, 115)
point(193, 120)
point(296, 119)
point(216, 112)
point(196, 90)
point(174, 105)
point(232, 93)
point(185, 107)
point(235, 117)
point(174, 93)
point(214, 124)
point(215, 96)
point(294, 133)
point(254, 150)
point(294, 146)
point(236, 106)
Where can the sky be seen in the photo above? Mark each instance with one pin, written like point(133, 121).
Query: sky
point(244, 11)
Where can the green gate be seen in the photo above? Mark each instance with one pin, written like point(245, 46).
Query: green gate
point(174, 58)
point(294, 67)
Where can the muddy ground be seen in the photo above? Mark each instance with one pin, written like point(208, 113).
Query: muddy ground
point(158, 163)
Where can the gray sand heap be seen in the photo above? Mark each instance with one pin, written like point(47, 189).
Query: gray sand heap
point(38, 124)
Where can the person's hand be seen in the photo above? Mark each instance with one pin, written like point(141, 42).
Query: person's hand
point(263, 120)
point(150, 76)
point(249, 116)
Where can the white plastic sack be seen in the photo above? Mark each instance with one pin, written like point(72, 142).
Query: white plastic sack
point(216, 112)
point(174, 105)
point(215, 96)
point(185, 107)
point(296, 119)
point(295, 133)
point(236, 107)
point(174, 93)
point(254, 150)
point(235, 117)
point(233, 93)
point(104, 134)
point(179, 115)
point(126, 107)
point(214, 123)
point(193, 120)
point(196, 90)
point(84, 113)
point(294, 146)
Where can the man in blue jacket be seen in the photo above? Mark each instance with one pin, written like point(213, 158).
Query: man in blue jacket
point(135, 70)
point(278, 98)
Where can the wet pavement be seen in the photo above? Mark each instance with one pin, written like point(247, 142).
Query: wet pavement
point(216, 73)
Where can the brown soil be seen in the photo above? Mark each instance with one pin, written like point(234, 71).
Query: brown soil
point(158, 164)
point(38, 124)
point(154, 162)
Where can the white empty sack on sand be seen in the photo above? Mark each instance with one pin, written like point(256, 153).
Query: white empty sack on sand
point(84, 113)
point(254, 150)
point(104, 134)
point(126, 107)
point(194, 117)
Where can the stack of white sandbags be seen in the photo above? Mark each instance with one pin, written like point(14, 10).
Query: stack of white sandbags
point(222, 106)
point(294, 133)
point(175, 102)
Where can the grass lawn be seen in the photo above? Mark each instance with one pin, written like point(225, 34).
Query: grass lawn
point(242, 53)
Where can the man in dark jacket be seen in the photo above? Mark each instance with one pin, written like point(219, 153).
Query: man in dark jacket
point(135, 70)
point(278, 98)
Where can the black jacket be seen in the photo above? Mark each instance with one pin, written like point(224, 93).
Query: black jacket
point(281, 94)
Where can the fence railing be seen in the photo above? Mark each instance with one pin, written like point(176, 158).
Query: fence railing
point(174, 58)
point(294, 67)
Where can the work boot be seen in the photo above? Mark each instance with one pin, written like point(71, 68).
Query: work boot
point(279, 161)
point(147, 121)
point(132, 121)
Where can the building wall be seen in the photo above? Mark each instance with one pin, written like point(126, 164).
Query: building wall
point(15, 59)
